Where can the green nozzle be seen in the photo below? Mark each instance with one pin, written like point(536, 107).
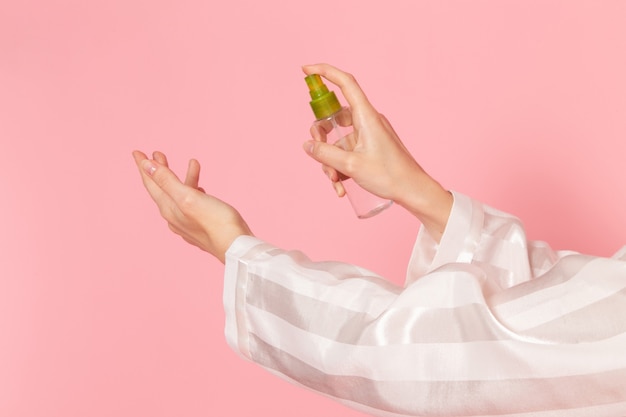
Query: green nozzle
point(323, 102)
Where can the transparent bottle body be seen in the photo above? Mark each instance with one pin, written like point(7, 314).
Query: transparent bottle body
point(337, 129)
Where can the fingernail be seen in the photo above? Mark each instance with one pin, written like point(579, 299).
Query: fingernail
point(308, 146)
point(148, 167)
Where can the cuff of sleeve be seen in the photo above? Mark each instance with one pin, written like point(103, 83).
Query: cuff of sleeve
point(458, 243)
point(234, 297)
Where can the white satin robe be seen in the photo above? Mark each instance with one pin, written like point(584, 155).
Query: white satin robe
point(488, 324)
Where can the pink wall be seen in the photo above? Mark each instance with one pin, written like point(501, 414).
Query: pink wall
point(103, 312)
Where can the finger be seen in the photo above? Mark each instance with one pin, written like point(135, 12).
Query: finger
point(163, 201)
point(320, 130)
point(339, 189)
point(160, 158)
point(346, 82)
point(153, 189)
point(329, 155)
point(139, 156)
point(140, 159)
point(193, 174)
point(331, 173)
point(166, 180)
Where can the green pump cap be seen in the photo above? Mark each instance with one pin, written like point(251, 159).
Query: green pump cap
point(323, 102)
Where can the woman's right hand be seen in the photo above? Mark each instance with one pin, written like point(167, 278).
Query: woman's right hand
point(199, 218)
point(379, 161)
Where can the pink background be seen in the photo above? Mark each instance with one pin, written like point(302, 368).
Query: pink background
point(104, 312)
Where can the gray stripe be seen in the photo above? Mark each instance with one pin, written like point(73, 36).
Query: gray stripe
point(600, 320)
point(446, 398)
point(467, 323)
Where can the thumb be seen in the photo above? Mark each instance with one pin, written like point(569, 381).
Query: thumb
point(326, 154)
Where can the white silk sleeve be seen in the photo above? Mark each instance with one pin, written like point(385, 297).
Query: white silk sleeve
point(487, 324)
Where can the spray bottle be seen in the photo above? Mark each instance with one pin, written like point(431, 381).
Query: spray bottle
point(335, 122)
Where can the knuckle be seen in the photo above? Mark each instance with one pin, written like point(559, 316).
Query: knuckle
point(348, 167)
point(351, 165)
point(187, 203)
point(349, 77)
point(317, 150)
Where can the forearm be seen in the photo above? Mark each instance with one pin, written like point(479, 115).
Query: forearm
point(264, 283)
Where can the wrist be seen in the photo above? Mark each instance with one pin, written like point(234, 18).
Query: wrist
point(430, 202)
point(229, 236)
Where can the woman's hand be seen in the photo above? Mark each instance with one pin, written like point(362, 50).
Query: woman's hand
point(379, 162)
point(201, 219)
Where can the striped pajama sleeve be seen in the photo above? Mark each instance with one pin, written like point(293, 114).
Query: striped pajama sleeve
point(488, 324)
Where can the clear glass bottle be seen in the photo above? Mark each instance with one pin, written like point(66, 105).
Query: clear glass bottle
point(335, 123)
